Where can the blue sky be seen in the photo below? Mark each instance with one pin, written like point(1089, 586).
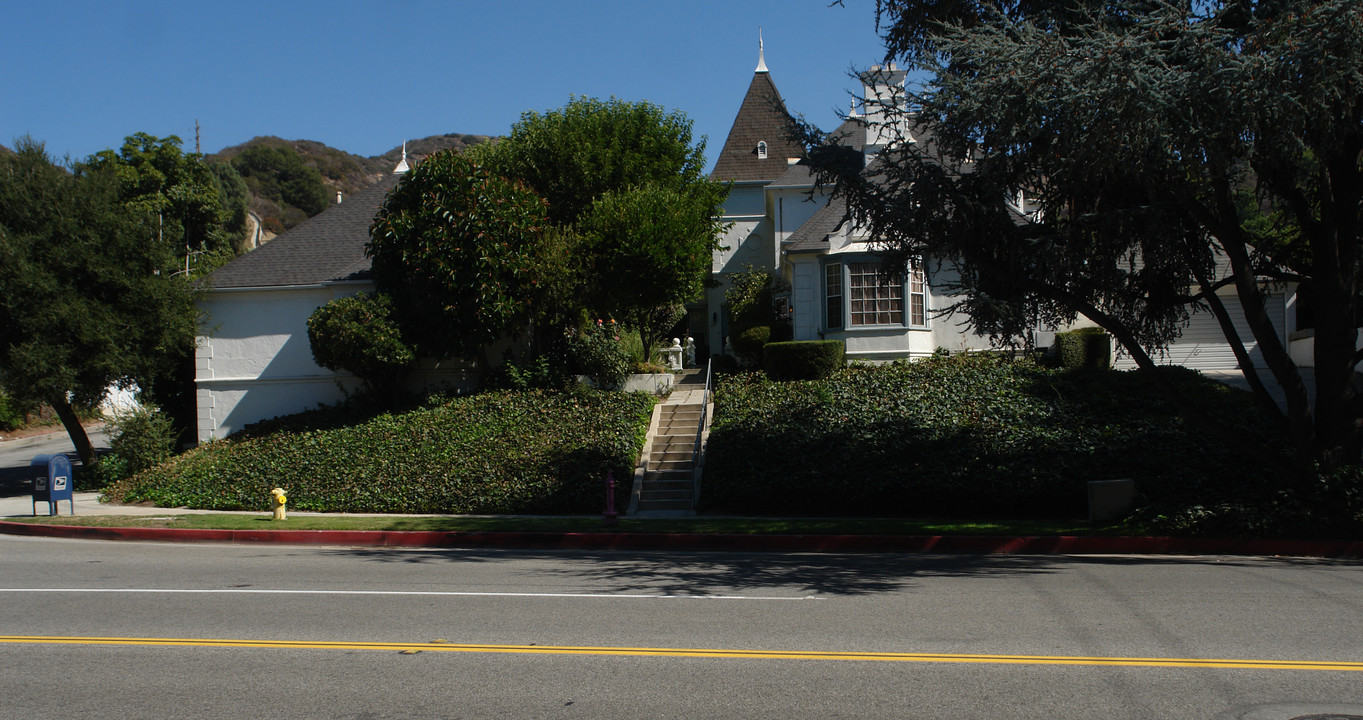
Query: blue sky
point(362, 76)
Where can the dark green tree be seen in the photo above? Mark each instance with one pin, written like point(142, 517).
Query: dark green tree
point(89, 293)
point(235, 198)
point(176, 191)
point(462, 252)
point(1173, 150)
point(574, 155)
point(604, 166)
point(649, 247)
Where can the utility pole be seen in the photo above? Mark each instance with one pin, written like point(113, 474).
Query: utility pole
point(196, 136)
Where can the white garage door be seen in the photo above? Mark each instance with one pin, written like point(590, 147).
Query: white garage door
point(1204, 347)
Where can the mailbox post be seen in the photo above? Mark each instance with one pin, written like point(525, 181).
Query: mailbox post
point(52, 482)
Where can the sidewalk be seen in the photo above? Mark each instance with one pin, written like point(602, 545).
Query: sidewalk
point(88, 504)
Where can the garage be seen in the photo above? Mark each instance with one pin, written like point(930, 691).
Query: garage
point(1203, 346)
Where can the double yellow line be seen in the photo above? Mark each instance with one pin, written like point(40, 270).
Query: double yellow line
point(441, 646)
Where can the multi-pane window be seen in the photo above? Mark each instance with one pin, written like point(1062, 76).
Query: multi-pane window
point(874, 297)
point(918, 297)
point(867, 296)
point(833, 296)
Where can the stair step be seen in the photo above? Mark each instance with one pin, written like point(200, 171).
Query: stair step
point(648, 505)
point(680, 483)
point(681, 407)
point(674, 455)
point(654, 495)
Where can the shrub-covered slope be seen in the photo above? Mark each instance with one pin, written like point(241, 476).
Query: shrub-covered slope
point(966, 436)
point(496, 452)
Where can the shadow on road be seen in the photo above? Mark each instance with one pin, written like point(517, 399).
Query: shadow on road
point(808, 573)
point(720, 572)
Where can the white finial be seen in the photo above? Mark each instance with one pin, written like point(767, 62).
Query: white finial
point(402, 164)
point(761, 54)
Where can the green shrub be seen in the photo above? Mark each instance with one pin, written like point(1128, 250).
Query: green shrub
point(803, 359)
point(139, 439)
point(493, 452)
point(357, 334)
point(11, 414)
point(1089, 347)
point(974, 435)
point(748, 344)
point(531, 373)
point(597, 352)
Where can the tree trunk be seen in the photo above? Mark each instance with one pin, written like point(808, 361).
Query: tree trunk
point(84, 449)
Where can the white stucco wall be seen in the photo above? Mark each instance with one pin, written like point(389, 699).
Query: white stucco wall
point(253, 361)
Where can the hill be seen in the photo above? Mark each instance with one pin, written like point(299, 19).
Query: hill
point(291, 180)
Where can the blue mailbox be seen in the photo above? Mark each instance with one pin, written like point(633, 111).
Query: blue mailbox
point(52, 482)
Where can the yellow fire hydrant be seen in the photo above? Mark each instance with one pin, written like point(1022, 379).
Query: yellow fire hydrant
point(277, 501)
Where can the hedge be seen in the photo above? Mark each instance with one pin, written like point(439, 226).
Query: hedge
point(495, 452)
point(1089, 347)
point(802, 359)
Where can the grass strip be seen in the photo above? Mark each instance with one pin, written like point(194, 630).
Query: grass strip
point(699, 525)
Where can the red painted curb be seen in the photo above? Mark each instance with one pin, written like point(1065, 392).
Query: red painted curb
point(945, 544)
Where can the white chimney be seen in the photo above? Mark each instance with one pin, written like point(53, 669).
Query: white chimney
point(338, 197)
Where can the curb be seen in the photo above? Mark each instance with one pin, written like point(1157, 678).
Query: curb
point(939, 544)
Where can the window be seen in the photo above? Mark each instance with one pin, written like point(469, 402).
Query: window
point(762, 150)
point(918, 296)
point(833, 296)
point(874, 297)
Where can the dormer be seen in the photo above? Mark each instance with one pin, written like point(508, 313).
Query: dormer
point(762, 150)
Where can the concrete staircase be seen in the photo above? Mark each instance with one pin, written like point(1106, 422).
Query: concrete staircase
point(667, 483)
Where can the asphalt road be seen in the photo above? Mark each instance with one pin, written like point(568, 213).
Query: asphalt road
point(15, 456)
point(145, 630)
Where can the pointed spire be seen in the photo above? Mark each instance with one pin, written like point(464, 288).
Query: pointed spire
point(761, 54)
point(402, 164)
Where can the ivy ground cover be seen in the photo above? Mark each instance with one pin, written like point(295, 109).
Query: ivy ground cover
point(971, 436)
point(496, 452)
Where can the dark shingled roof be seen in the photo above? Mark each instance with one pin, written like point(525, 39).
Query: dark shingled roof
point(761, 117)
point(328, 246)
point(812, 236)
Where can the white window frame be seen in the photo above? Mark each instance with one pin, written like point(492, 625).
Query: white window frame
point(904, 294)
point(762, 150)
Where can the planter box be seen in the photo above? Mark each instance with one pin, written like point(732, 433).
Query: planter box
point(655, 383)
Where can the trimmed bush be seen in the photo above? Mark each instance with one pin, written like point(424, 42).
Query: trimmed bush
point(748, 344)
point(1089, 347)
point(357, 334)
point(495, 452)
point(802, 359)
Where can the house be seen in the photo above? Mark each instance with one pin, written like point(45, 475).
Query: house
point(781, 222)
point(253, 360)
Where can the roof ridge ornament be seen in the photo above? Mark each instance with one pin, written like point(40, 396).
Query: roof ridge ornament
point(402, 164)
point(761, 53)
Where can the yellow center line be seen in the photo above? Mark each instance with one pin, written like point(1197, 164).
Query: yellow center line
point(1332, 666)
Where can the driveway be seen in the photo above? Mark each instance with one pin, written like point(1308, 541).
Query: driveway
point(15, 456)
